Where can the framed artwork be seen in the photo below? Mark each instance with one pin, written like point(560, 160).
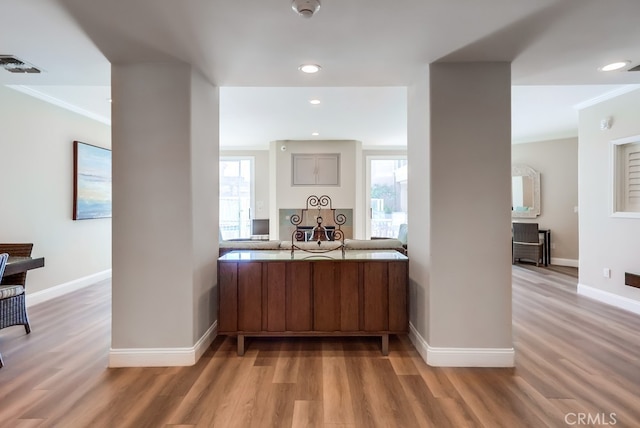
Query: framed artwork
point(91, 181)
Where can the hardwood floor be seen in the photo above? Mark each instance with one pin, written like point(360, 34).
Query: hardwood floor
point(577, 364)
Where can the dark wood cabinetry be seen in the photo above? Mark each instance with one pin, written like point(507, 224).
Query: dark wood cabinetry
point(269, 293)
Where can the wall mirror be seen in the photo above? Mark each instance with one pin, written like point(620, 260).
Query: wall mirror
point(525, 192)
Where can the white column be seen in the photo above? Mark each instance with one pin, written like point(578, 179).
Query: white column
point(165, 213)
point(466, 276)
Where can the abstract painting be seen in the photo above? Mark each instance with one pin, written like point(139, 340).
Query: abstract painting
point(91, 181)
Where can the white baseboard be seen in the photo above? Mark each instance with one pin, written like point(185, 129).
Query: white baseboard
point(564, 262)
point(461, 357)
point(67, 287)
point(609, 298)
point(163, 357)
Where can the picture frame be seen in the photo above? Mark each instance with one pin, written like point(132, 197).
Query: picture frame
point(91, 181)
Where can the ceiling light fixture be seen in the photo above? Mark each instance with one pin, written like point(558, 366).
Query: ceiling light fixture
point(615, 66)
point(314, 102)
point(309, 68)
point(315, 134)
point(305, 8)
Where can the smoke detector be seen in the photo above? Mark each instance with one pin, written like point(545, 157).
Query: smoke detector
point(305, 8)
point(15, 65)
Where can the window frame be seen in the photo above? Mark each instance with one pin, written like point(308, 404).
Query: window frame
point(252, 196)
point(618, 207)
point(367, 183)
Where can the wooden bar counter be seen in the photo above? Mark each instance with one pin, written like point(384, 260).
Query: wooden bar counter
point(277, 293)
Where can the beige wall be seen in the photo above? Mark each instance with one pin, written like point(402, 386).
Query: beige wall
point(605, 241)
point(346, 195)
point(36, 170)
point(557, 163)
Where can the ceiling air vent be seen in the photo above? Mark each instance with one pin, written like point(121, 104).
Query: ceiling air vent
point(636, 68)
point(15, 65)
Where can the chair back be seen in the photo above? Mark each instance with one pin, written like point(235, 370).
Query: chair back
point(402, 233)
point(16, 250)
point(525, 232)
point(3, 263)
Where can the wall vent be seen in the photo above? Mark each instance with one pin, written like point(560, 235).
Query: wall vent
point(15, 65)
point(632, 279)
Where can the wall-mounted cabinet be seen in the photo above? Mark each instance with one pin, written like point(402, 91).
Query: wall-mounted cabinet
point(310, 169)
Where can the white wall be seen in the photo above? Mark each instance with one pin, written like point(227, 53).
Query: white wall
point(204, 201)
point(419, 184)
point(165, 169)
point(36, 170)
point(605, 241)
point(470, 142)
point(557, 163)
point(347, 195)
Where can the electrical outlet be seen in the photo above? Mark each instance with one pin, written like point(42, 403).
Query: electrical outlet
point(606, 272)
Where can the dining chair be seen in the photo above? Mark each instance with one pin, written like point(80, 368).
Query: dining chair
point(13, 309)
point(526, 243)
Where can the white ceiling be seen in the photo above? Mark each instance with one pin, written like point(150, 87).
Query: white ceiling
point(369, 51)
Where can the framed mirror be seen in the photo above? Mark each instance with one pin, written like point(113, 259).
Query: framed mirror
point(525, 192)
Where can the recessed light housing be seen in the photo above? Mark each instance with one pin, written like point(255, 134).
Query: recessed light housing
point(314, 102)
point(305, 8)
point(615, 66)
point(309, 68)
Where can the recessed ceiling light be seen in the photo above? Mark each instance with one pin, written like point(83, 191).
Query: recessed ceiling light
point(314, 102)
point(615, 66)
point(309, 68)
point(315, 134)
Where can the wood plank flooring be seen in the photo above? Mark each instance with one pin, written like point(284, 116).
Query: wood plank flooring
point(577, 364)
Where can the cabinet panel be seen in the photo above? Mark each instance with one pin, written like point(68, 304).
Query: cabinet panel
point(350, 302)
point(228, 299)
point(304, 170)
point(276, 296)
point(376, 295)
point(398, 298)
point(298, 297)
point(326, 297)
point(328, 170)
point(250, 297)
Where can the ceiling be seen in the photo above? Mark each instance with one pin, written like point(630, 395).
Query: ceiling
point(369, 50)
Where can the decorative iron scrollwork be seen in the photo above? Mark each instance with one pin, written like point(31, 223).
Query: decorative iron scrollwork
point(318, 233)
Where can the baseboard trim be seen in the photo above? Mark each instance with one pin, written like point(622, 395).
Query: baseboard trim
point(461, 357)
point(564, 262)
point(163, 357)
point(65, 288)
point(609, 298)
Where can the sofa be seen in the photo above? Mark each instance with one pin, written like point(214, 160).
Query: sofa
point(349, 244)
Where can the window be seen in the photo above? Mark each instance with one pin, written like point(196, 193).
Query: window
point(387, 201)
point(626, 177)
point(236, 197)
